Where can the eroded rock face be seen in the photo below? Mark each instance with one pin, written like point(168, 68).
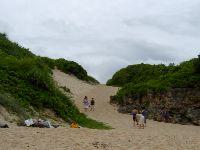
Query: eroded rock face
point(183, 105)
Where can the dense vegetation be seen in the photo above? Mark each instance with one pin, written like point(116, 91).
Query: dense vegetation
point(69, 67)
point(138, 80)
point(139, 73)
point(26, 84)
point(66, 66)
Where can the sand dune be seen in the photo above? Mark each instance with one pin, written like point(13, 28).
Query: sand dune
point(155, 136)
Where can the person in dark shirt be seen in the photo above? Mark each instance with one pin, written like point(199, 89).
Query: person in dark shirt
point(92, 103)
point(165, 115)
point(145, 114)
point(134, 113)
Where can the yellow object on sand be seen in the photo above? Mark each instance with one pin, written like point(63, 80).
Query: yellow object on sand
point(74, 125)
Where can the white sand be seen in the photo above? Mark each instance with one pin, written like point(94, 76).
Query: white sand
point(124, 137)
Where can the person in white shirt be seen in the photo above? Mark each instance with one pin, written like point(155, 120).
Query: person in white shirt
point(86, 103)
point(140, 119)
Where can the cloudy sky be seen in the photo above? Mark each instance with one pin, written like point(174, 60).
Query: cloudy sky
point(105, 35)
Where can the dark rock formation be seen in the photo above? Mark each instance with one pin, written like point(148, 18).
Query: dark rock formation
point(183, 105)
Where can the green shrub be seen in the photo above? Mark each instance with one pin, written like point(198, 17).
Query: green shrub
point(12, 48)
point(197, 65)
point(139, 73)
point(13, 105)
point(28, 81)
point(48, 61)
point(138, 80)
point(71, 67)
point(65, 89)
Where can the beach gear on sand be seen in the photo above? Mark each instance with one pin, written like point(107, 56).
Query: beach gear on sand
point(74, 125)
point(38, 123)
point(3, 125)
point(28, 122)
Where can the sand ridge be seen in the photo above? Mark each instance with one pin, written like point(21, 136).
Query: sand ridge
point(156, 135)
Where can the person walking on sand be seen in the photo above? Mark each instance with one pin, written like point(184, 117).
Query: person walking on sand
point(140, 119)
point(85, 103)
point(145, 114)
point(92, 103)
point(134, 113)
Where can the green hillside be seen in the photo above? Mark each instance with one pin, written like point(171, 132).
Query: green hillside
point(27, 86)
point(143, 78)
point(139, 73)
point(69, 67)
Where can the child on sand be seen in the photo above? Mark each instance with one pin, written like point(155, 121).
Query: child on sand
point(134, 113)
point(140, 119)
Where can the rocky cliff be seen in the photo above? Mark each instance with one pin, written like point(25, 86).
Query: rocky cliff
point(183, 105)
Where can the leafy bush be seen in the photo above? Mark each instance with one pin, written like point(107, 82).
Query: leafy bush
point(138, 80)
point(65, 89)
point(13, 105)
point(92, 80)
point(27, 80)
point(69, 67)
point(197, 65)
point(50, 62)
point(12, 48)
point(139, 73)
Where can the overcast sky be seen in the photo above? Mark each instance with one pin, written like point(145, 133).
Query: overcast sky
point(105, 35)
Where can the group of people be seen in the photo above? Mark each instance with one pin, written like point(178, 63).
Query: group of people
point(88, 104)
point(139, 118)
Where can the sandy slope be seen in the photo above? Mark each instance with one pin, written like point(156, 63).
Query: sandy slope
point(124, 137)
